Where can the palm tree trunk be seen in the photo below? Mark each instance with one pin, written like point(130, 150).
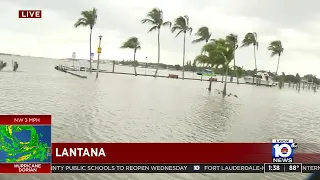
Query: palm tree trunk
point(184, 54)
point(255, 63)
point(255, 58)
point(224, 93)
point(278, 64)
point(134, 63)
point(234, 67)
point(158, 53)
point(90, 50)
point(210, 80)
point(98, 63)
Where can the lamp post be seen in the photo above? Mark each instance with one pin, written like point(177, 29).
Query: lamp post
point(99, 52)
point(145, 69)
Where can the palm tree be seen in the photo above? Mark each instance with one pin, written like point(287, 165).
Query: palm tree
point(89, 18)
point(218, 53)
point(155, 18)
point(233, 38)
point(203, 34)
point(181, 24)
point(276, 49)
point(133, 43)
point(251, 38)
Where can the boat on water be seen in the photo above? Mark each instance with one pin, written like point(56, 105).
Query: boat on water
point(263, 78)
point(206, 72)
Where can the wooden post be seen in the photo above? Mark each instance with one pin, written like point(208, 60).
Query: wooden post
point(113, 63)
point(210, 84)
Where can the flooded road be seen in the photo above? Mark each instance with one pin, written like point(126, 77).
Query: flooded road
point(122, 108)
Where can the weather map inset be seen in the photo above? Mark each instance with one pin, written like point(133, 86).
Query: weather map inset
point(25, 143)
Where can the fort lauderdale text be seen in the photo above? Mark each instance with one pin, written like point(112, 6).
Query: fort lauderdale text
point(80, 152)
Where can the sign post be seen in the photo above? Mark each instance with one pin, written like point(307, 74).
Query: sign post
point(99, 52)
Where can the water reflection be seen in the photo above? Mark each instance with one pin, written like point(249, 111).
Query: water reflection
point(120, 108)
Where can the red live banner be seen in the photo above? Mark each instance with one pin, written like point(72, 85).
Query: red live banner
point(161, 152)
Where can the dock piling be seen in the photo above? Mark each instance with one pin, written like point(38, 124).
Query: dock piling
point(113, 63)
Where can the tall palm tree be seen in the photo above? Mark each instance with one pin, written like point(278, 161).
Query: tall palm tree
point(233, 38)
point(276, 49)
point(218, 53)
point(203, 35)
point(89, 18)
point(181, 24)
point(251, 38)
point(133, 43)
point(155, 18)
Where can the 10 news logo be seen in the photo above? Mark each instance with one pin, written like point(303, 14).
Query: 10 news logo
point(283, 150)
point(30, 14)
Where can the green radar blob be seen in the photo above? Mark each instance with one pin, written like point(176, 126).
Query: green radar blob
point(18, 151)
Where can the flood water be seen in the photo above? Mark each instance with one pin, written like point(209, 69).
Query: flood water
point(122, 108)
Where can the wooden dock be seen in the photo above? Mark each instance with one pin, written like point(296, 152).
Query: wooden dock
point(60, 68)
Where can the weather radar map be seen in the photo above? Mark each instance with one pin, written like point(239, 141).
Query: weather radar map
point(25, 143)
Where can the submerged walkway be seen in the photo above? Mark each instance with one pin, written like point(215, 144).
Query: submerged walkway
point(60, 68)
point(161, 76)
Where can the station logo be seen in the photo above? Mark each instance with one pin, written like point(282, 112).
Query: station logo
point(283, 150)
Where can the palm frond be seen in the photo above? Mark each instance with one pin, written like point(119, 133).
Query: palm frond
point(94, 16)
point(255, 36)
point(190, 30)
point(186, 17)
point(203, 33)
point(150, 21)
point(245, 44)
point(213, 40)
point(179, 33)
point(181, 24)
point(175, 28)
point(156, 15)
point(198, 40)
point(89, 18)
point(233, 39)
point(153, 29)
point(202, 59)
point(276, 48)
point(273, 53)
point(131, 43)
point(81, 22)
point(168, 23)
point(249, 39)
point(155, 18)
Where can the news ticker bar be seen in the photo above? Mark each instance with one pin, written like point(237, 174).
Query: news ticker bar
point(157, 168)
